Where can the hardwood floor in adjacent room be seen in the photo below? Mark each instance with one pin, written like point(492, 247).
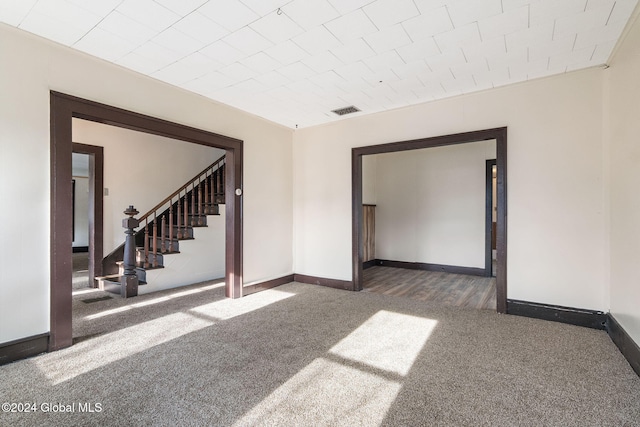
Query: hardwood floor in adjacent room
point(441, 288)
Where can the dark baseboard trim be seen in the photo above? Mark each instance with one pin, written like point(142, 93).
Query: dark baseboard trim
point(23, 348)
point(556, 313)
point(471, 271)
point(263, 286)
point(369, 264)
point(77, 249)
point(624, 342)
point(321, 281)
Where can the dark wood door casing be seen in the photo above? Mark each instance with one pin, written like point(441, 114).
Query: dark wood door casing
point(499, 134)
point(63, 108)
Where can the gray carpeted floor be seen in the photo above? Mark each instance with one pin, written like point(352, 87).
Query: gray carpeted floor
point(303, 355)
point(80, 265)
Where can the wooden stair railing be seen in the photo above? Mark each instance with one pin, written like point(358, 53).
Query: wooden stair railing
point(173, 218)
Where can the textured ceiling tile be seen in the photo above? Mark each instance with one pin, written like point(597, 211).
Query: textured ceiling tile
point(149, 13)
point(236, 15)
point(424, 48)
point(460, 37)
point(276, 28)
point(489, 48)
point(296, 71)
point(602, 52)
point(355, 50)
point(386, 61)
point(429, 24)
point(504, 23)
point(261, 63)
point(222, 52)
point(569, 58)
point(286, 53)
point(99, 7)
point(558, 46)
point(534, 35)
point(178, 42)
point(411, 69)
point(262, 7)
point(237, 72)
point(346, 6)
point(138, 63)
point(201, 28)
point(387, 39)
point(182, 7)
point(351, 26)
point(322, 62)
point(464, 12)
point(310, 13)
point(353, 70)
point(604, 34)
point(515, 57)
point(584, 21)
point(247, 41)
point(427, 6)
point(385, 13)
point(52, 29)
point(317, 40)
point(125, 27)
point(446, 60)
point(326, 80)
point(272, 79)
point(515, 4)
point(13, 12)
point(622, 10)
point(63, 22)
point(105, 45)
point(544, 10)
point(185, 70)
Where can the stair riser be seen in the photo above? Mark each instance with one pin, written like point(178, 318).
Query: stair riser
point(152, 257)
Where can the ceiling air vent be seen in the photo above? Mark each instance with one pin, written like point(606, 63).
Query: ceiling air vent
point(345, 110)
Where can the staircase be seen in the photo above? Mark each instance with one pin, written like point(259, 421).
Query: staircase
point(163, 227)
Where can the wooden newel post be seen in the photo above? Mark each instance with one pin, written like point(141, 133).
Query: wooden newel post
point(129, 281)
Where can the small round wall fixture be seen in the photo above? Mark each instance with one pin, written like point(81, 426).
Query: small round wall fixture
point(238, 192)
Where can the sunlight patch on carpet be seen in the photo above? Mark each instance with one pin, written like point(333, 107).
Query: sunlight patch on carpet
point(228, 308)
point(153, 301)
point(387, 341)
point(326, 393)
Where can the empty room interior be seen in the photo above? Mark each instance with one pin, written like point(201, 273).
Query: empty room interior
point(320, 212)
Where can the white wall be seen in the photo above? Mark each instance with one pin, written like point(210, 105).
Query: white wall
point(622, 114)
point(140, 169)
point(31, 67)
point(556, 228)
point(200, 259)
point(431, 204)
point(81, 215)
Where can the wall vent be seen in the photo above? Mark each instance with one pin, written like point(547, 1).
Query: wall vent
point(346, 110)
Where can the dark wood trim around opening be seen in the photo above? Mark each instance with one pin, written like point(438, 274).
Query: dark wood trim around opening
point(96, 203)
point(499, 134)
point(488, 222)
point(321, 281)
point(65, 107)
point(557, 313)
point(629, 348)
point(268, 284)
point(23, 348)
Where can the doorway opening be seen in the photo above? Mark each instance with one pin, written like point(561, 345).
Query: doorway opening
point(87, 208)
point(63, 109)
point(500, 137)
